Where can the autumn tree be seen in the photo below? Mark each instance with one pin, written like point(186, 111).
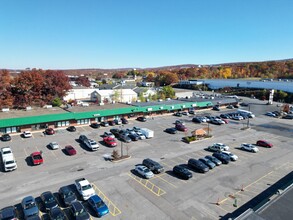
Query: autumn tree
point(6, 98)
point(27, 88)
point(166, 78)
point(83, 81)
point(167, 92)
point(56, 84)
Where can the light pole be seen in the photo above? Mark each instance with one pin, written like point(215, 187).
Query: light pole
point(248, 125)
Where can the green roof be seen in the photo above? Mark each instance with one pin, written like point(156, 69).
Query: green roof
point(11, 122)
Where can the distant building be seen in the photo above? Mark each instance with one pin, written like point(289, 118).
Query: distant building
point(146, 92)
point(110, 96)
point(191, 82)
point(79, 93)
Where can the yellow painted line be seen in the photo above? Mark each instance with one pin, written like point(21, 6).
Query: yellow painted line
point(182, 159)
point(223, 209)
point(148, 185)
point(109, 203)
point(166, 164)
point(167, 182)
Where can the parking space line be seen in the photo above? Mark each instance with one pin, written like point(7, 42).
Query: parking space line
point(166, 164)
point(148, 185)
point(167, 181)
point(112, 207)
point(25, 152)
point(54, 154)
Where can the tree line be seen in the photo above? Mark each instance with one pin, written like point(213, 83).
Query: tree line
point(32, 87)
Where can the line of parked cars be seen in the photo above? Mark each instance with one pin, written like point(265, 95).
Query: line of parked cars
point(51, 204)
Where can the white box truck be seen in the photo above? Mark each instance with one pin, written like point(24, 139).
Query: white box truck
point(147, 132)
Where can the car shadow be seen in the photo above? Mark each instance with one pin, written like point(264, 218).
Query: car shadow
point(89, 209)
point(136, 174)
point(82, 146)
point(19, 211)
point(48, 147)
point(170, 173)
point(29, 161)
point(102, 143)
point(65, 152)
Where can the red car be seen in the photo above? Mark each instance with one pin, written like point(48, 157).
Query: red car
point(180, 127)
point(111, 142)
point(264, 143)
point(50, 131)
point(70, 150)
point(37, 158)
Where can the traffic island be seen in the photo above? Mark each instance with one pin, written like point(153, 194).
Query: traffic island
point(193, 139)
point(122, 158)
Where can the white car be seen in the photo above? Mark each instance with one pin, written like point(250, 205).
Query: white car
point(218, 147)
point(93, 145)
point(27, 134)
point(144, 171)
point(141, 136)
point(233, 157)
point(249, 147)
point(54, 145)
point(6, 151)
point(108, 134)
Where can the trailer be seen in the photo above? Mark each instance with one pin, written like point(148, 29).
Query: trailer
point(147, 132)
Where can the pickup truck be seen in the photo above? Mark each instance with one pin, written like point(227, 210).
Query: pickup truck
point(84, 188)
point(37, 158)
point(8, 159)
point(89, 143)
point(216, 147)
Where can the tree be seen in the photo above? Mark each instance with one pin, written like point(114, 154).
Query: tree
point(57, 102)
point(27, 88)
point(167, 92)
point(116, 96)
point(6, 98)
point(83, 81)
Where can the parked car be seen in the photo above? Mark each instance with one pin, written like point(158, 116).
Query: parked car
point(178, 114)
point(144, 171)
point(110, 142)
point(232, 156)
point(95, 125)
point(197, 120)
point(8, 213)
point(222, 157)
point(230, 106)
point(154, 166)
point(191, 112)
point(270, 114)
point(124, 121)
point(78, 211)
point(67, 195)
point(216, 108)
point(218, 147)
point(244, 104)
point(6, 137)
point(171, 130)
point(57, 214)
point(48, 200)
point(214, 160)
point(27, 134)
point(108, 134)
point(141, 136)
point(37, 158)
point(237, 117)
point(249, 147)
point(111, 123)
point(71, 129)
point(105, 124)
point(49, 131)
point(180, 127)
point(289, 116)
point(225, 116)
point(124, 137)
point(133, 136)
point(98, 205)
point(217, 121)
point(70, 150)
point(207, 162)
point(198, 165)
point(182, 172)
point(142, 119)
point(29, 207)
point(179, 122)
point(264, 143)
point(54, 145)
point(185, 113)
point(117, 121)
point(115, 131)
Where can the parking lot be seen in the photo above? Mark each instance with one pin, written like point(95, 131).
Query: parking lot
point(205, 196)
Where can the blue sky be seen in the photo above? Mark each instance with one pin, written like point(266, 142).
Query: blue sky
point(67, 34)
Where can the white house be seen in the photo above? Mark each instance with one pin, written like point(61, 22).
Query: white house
point(118, 95)
point(79, 93)
point(146, 92)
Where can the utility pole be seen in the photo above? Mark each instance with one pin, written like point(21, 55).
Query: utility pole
point(248, 125)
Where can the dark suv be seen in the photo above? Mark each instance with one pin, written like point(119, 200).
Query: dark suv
point(79, 212)
point(153, 165)
point(198, 165)
point(82, 138)
point(222, 157)
point(182, 172)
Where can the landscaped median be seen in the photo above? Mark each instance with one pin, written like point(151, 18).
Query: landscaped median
point(192, 139)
